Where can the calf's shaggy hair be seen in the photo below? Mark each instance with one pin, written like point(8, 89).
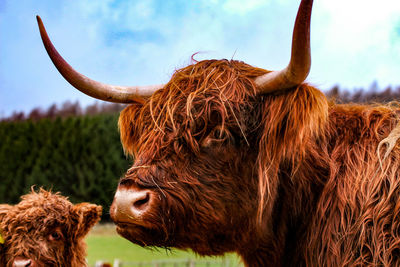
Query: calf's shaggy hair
point(45, 229)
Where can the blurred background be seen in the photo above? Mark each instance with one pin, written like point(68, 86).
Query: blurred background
point(52, 135)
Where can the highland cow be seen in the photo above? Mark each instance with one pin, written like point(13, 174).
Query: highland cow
point(234, 158)
point(45, 229)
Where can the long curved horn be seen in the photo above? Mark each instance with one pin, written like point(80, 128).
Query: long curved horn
point(300, 62)
point(111, 93)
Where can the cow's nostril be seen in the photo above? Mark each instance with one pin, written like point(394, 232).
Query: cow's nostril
point(131, 205)
point(141, 203)
point(21, 262)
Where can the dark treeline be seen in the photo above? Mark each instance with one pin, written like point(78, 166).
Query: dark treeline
point(373, 94)
point(67, 109)
point(77, 150)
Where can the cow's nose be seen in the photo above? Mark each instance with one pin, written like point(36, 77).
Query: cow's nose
point(23, 262)
point(129, 205)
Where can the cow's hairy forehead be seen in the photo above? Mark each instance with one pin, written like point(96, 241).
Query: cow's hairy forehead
point(198, 98)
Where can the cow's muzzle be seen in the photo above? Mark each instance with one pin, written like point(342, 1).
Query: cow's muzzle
point(23, 262)
point(131, 205)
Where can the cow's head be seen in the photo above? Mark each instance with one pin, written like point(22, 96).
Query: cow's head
point(208, 144)
point(45, 229)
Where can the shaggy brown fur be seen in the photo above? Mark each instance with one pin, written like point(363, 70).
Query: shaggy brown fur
point(283, 179)
point(47, 229)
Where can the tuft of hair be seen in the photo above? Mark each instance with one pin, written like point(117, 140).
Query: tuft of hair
point(293, 122)
point(198, 97)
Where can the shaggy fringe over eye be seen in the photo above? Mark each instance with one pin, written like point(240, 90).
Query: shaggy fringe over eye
point(209, 92)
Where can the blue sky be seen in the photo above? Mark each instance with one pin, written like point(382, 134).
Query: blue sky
point(354, 42)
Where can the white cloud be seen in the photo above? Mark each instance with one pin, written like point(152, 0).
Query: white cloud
point(353, 42)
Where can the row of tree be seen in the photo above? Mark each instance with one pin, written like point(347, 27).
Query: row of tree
point(373, 94)
point(66, 109)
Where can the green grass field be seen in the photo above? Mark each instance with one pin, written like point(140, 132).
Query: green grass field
point(106, 245)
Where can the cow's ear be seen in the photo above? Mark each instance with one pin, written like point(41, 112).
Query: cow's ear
point(87, 215)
